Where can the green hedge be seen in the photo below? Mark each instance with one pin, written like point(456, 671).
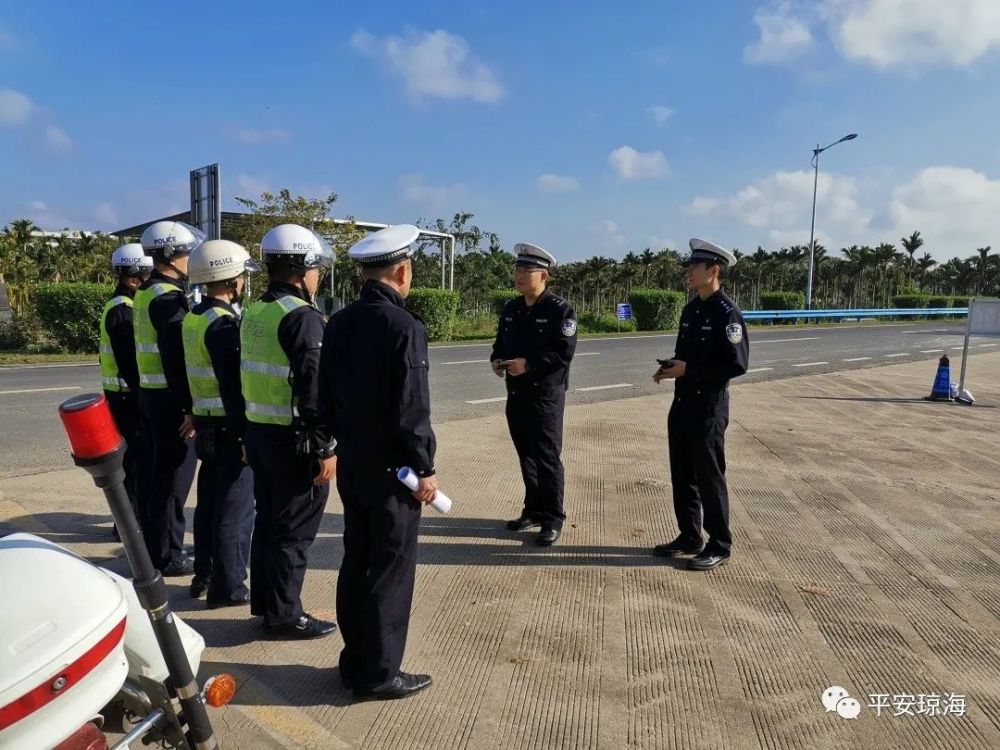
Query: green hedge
point(437, 308)
point(782, 301)
point(18, 333)
point(71, 313)
point(500, 297)
point(960, 301)
point(656, 309)
point(942, 301)
point(909, 301)
point(607, 323)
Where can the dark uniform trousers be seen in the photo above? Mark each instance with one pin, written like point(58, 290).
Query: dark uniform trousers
point(223, 517)
point(535, 420)
point(375, 585)
point(125, 411)
point(167, 473)
point(289, 512)
point(696, 430)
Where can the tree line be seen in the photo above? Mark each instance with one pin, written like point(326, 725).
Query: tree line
point(859, 276)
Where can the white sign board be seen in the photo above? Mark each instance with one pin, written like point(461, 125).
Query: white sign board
point(984, 318)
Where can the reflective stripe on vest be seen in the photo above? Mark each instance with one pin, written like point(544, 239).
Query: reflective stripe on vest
point(147, 349)
point(206, 398)
point(111, 379)
point(265, 371)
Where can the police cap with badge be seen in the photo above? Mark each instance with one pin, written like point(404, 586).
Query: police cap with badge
point(533, 256)
point(703, 251)
point(386, 247)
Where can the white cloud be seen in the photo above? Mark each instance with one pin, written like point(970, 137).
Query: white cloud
point(38, 206)
point(954, 208)
point(880, 33)
point(433, 64)
point(57, 141)
point(15, 108)
point(106, 214)
point(251, 136)
point(784, 35)
point(885, 33)
point(417, 190)
point(553, 183)
point(784, 199)
point(251, 185)
point(638, 165)
point(660, 114)
point(609, 233)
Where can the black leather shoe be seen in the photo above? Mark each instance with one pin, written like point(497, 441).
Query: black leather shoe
point(707, 561)
point(521, 523)
point(548, 536)
point(680, 546)
point(238, 601)
point(303, 629)
point(178, 568)
point(199, 586)
point(401, 686)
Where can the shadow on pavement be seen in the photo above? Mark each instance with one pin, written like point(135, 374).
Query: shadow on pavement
point(889, 400)
point(283, 684)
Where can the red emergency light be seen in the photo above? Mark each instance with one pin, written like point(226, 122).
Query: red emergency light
point(89, 426)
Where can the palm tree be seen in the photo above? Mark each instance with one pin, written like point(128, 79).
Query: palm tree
point(982, 264)
point(911, 244)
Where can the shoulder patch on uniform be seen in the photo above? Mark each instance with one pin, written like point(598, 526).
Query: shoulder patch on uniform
point(734, 332)
point(569, 327)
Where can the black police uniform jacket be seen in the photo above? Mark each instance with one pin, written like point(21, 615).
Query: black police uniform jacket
point(374, 384)
point(544, 334)
point(713, 343)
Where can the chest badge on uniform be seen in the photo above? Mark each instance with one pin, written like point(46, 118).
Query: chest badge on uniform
point(734, 332)
point(569, 327)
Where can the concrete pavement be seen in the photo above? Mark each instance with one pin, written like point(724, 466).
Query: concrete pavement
point(867, 557)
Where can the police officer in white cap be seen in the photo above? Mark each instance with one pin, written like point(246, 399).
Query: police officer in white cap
point(164, 395)
point(535, 343)
point(119, 372)
point(223, 517)
point(712, 348)
point(289, 451)
point(376, 401)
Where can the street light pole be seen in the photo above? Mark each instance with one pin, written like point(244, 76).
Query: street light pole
point(812, 228)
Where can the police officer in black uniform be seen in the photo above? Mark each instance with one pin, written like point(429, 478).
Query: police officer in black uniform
point(712, 348)
point(375, 401)
point(536, 339)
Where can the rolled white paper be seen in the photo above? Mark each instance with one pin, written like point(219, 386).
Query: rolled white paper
point(406, 475)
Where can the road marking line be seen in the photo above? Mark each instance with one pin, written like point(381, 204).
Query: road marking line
point(486, 400)
point(929, 351)
point(759, 369)
point(811, 364)
point(901, 354)
point(857, 359)
point(49, 366)
point(42, 390)
point(605, 387)
point(986, 344)
point(757, 342)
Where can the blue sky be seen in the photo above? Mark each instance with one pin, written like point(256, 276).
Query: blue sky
point(584, 127)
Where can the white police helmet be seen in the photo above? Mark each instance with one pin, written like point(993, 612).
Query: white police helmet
point(131, 259)
point(296, 246)
point(169, 238)
point(219, 260)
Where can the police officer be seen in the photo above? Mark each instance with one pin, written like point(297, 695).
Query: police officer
point(164, 395)
point(223, 517)
point(291, 456)
point(119, 372)
point(376, 401)
point(536, 339)
point(712, 348)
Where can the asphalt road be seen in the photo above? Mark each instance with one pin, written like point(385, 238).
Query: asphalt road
point(462, 386)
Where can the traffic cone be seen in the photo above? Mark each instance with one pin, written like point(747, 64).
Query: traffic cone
point(941, 390)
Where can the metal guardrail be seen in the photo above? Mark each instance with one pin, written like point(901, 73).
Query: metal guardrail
point(889, 312)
